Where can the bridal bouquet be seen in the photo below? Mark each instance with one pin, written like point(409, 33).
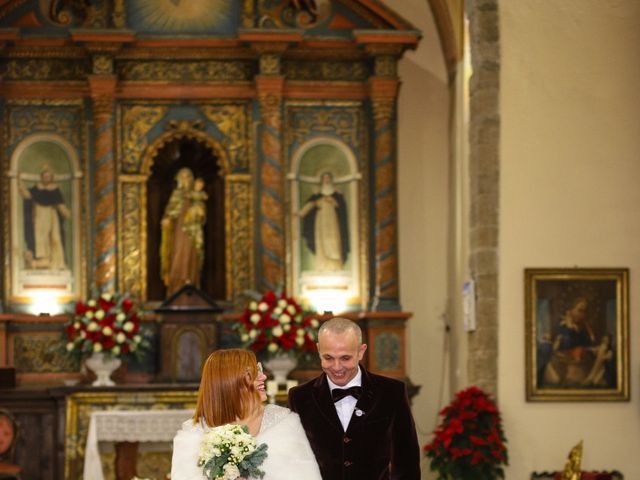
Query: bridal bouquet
point(229, 452)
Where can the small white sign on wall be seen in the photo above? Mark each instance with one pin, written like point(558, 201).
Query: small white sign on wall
point(469, 305)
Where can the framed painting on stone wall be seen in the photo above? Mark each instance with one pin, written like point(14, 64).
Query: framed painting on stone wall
point(325, 214)
point(45, 250)
point(577, 326)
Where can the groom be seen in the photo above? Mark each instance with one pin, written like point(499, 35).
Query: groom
point(359, 424)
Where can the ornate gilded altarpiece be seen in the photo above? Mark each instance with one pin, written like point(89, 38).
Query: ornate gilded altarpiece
point(283, 95)
point(268, 87)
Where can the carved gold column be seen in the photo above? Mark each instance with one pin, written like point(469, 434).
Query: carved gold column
point(248, 14)
point(102, 85)
point(269, 86)
point(383, 91)
point(119, 15)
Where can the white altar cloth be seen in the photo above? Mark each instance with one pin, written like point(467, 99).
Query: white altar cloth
point(128, 426)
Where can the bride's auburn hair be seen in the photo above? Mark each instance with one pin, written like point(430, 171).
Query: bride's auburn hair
point(227, 392)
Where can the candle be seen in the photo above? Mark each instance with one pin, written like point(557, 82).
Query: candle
point(272, 387)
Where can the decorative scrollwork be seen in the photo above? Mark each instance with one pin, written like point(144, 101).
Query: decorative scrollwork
point(46, 69)
point(239, 220)
point(102, 64)
point(75, 12)
point(270, 64)
point(25, 120)
point(184, 71)
point(343, 122)
point(184, 129)
point(232, 121)
point(385, 66)
point(37, 354)
point(293, 13)
point(327, 70)
point(137, 120)
point(132, 237)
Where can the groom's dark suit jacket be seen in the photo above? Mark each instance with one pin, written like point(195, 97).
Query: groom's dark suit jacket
point(379, 444)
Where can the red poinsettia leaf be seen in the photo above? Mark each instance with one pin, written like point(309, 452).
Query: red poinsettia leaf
point(477, 440)
point(477, 457)
point(468, 414)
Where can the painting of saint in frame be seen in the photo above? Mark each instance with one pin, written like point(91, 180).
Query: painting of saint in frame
point(325, 218)
point(45, 238)
point(577, 334)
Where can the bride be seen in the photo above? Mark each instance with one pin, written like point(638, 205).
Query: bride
point(232, 390)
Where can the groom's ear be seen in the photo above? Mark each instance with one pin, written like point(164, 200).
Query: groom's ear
point(361, 350)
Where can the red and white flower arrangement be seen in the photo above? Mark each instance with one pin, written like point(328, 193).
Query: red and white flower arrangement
point(469, 444)
point(109, 324)
point(275, 324)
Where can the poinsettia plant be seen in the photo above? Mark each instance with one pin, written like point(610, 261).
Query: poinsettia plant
point(276, 323)
point(108, 324)
point(469, 444)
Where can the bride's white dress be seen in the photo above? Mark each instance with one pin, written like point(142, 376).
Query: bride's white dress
point(289, 455)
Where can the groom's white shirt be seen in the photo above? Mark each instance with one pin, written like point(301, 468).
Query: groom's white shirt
point(346, 406)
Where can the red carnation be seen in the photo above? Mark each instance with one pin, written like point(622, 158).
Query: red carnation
point(81, 308)
point(127, 305)
point(109, 310)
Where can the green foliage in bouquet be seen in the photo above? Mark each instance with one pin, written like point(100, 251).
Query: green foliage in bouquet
point(229, 452)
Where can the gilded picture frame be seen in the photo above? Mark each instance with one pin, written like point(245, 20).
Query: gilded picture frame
point(577, 334)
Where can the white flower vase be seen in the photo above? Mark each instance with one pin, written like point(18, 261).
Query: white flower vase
point(281, 365)
point(103, 366)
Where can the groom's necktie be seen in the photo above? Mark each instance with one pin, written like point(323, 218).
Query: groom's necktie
point(339, 393)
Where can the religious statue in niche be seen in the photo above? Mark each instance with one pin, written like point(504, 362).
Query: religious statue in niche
point(44, 215)
point(325, 181)
point(45, 192)
point(182, 242)
point(325, 228)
